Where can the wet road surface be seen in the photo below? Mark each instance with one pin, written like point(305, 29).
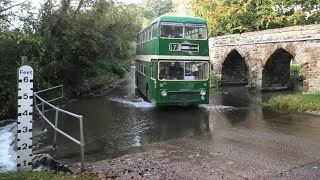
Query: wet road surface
point(234, 136)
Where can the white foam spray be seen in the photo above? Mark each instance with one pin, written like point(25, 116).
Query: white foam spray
point(8, 156)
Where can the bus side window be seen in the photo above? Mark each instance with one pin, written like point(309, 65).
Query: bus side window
point(154, 70)
point(148, 34)
point(154, 31)
point(144, 68)
point(139, 66)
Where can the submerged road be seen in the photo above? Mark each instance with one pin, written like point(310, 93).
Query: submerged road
point(233, 137)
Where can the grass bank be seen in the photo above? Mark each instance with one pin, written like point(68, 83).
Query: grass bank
point(296, 102)
point(43, 176)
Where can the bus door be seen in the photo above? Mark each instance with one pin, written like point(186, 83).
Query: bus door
point(154, 71)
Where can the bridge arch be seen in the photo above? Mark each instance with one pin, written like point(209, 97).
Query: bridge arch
point(234, 70)
point(276, 70)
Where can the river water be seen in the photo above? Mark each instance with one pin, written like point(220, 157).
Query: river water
point(121, 120)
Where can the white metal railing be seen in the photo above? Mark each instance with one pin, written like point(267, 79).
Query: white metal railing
point(56, 119)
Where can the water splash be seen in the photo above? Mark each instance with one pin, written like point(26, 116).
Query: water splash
point(136, 141)
point(8, 156)
point(133, 100)
point(213, 107)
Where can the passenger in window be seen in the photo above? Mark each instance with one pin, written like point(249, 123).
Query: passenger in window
point(177, 35)
point(176, 71)
point(195, 70)
point(163, 73)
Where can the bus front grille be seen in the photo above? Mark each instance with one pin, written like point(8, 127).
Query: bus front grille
point(182, 96)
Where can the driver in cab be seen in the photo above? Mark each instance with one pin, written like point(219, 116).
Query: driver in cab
point(176, 71)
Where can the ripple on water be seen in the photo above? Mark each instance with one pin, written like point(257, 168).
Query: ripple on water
point(213, 107)
point(134, 101)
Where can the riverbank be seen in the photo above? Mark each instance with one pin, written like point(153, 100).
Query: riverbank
point(44, 176)
point(296, 102)
point(189, 158)
point(44, 166)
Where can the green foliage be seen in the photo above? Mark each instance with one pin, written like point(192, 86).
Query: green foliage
point(82, 45)
point(155, 8)
point(44, 176)
point(103, 72)
point(214, 80)
point(8, 77)
point(5, 9)
point(228, 17)
point(296, 102)
point(295, 72)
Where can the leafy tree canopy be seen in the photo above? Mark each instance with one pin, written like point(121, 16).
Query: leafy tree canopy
point(236, 16)
point(154, 8)
point(78, 43)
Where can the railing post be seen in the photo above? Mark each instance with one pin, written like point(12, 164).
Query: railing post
point(42, 104)
point(82, 143)
point(62, 91)
point(43, 124)
point(55, 126)
point(55, 130)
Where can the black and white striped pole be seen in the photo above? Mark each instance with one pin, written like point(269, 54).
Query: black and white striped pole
point(25, 110)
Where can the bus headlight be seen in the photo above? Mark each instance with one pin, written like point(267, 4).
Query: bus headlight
point(164, 93)
point(203, 92)
point(202, 97)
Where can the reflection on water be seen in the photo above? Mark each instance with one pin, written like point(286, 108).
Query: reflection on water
point(122, 120)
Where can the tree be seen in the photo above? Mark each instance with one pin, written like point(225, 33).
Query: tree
point(10, 52)
point(6, 11)
point(236, 16)
point(155, 8)
point(82, 44)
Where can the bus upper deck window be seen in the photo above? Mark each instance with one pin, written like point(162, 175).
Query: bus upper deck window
point(171, 30)
point(196, 31)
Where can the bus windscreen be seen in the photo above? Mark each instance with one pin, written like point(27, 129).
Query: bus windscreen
point(195, 31)
point(171, 30)
point(187, 70)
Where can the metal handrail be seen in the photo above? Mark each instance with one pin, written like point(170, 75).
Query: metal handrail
point(55, 126)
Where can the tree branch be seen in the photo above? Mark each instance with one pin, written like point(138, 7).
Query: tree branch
point(79, 6)
point(5, 9)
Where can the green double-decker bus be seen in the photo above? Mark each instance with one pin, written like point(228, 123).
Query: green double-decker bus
point(172, 61)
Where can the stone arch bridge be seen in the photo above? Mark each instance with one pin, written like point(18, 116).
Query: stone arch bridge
point(262, 59)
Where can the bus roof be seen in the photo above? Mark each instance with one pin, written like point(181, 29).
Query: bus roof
point(182, 19)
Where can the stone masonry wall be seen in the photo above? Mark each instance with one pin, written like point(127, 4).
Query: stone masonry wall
point(256, 48)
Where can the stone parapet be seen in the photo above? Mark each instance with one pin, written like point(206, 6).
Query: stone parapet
point(293, 34)
point(267, 55)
